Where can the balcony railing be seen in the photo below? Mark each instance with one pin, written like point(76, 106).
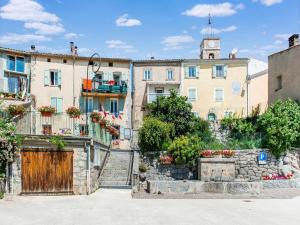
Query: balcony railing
point(102, 86)
point(153, 96)
point(36, 124)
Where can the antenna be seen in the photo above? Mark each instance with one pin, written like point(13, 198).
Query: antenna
point(210, 33)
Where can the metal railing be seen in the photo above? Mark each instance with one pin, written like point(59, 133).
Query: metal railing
point(153, 96)
point(35, 123)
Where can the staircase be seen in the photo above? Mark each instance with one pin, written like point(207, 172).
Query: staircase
point(118, 169)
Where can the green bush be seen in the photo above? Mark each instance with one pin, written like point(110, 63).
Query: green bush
point(1, 195)
point(281, 126)
point(185, 149)
point(200, 128)
point(58, 141)
point(155, 135)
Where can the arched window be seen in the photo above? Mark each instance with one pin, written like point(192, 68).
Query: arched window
point(211, 56)
point(211, 117)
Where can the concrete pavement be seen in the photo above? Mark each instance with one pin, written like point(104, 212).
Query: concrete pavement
point(116, 207)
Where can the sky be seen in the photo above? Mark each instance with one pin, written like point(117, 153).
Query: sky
point(139, 29)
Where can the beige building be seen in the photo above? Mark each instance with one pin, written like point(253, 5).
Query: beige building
point(60, 80)
point(153, 78)
point(284, 72)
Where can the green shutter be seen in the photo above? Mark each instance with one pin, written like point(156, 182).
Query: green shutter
point(46, 78)
point(53, 102)
point(81, 104)
point(105, 76)
point(59, 78)
point(225, 70)
point(107, 105)
point(121, 104)
point(124, 76)
point(59, 103)
point(110, 76)
point(96, 104)
point(214, 71)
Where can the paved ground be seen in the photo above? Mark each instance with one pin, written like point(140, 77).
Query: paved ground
point(109, 207)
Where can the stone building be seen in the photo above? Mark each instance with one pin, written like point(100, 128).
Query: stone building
point(284, 75)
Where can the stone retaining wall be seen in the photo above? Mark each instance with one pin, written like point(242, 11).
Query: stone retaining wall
point(2, 185)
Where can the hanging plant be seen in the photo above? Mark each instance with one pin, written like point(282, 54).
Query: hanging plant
point(73, 112)
point(47, 111)
point(16, 110)
point(96, 117)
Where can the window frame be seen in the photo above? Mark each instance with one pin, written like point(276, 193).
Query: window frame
point(149, 74)
point(278, 83)
point(196, 94)
point(15, 62)
point(195, 71)
point(215, 94)
point(172, 74)
point(62, 106)
point(111, 100)
point(223, 71)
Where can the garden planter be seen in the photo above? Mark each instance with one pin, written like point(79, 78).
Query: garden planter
point(94, 120)
point(74, 116)
point(46, 114)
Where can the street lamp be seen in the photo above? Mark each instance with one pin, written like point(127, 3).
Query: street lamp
point(95, 62)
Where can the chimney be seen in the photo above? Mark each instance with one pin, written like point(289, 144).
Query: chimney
point(72, 47)
point(152, 57)
point(232, 56)
point(32, 48)
point(294, 40)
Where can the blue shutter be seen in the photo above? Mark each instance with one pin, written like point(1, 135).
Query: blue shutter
point(81, 104)
point(20, 66)
point(214, 71)
point(59, 78)
point(225, 68)
point(46, 78)
point(53, 102)
point(121, 104)
point(107, 105)
point(59, 103)
point(96, 104)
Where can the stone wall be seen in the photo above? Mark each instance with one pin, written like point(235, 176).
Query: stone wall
point(2, 185)
point(248, 168)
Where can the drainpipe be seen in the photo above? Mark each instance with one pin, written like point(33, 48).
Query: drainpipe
point(88, 168)
point(247, 82)
point(132, 95)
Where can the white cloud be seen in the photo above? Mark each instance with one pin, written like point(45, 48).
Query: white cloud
point(72, 35)
point(120, 45)
point(268, 2)
point(282, 37)
point(278, 42)
point(177, 42)
point(207, 30)
point(13, 38)
point(43, 28)
point(124, 21)
point(222, 9)
point(26, 11)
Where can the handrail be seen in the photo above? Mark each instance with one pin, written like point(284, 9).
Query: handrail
point(104, 160)
point(129, 177)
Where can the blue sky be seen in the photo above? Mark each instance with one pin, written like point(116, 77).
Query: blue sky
point(139, 29)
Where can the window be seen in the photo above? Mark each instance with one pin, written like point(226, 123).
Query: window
point(192, 71)
point(110, 64)
point(192, 94)
point(228, 113)
point(211, 56)
point(279, 83)
point(53, 78)
point(220, 71)
point(48, 60)
point(211, 117)
point(16, 64)
point(114, 106)
point(82, 104)
point(147, 74)
point(57, 103)
point(170, 75)
point(219, 95)
point(65, 61)
point(159, 90)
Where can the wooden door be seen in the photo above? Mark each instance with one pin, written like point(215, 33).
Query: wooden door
point(47, 172)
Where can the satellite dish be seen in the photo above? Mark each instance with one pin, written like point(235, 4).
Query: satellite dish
point(234, 51)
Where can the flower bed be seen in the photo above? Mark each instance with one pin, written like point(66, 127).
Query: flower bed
point(217, 153)
point(277, 177)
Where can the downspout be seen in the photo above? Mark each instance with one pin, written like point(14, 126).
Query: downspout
point(132, 93)
point(88, 167)
point(247, 82)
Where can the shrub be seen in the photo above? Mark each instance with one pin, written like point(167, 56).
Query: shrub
point(185, 149)
point(155, 135)
point(200, 128)
point(281, 125)
point(143, 167)
point(1, 195)
point(58, 141)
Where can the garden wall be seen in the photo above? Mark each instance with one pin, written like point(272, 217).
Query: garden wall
point(2, 185)
point(248, 168)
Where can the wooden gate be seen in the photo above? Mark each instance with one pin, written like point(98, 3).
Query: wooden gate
point(47, 171)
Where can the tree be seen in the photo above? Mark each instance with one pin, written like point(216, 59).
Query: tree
point(173, 109)
point(155, 135)
point(281, 125)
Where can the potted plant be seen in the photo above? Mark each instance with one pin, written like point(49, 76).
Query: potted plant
point(102, 122)
point(96, 117)
point(47, 111)
point(73, 112)
point(16, 110)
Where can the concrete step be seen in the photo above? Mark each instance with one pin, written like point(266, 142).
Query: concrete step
point(113, 183)
point(115, 186)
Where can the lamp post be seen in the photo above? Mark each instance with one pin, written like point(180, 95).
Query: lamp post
point(95, 62)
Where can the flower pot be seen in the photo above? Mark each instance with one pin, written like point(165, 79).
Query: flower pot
point(74, 116)
point(94, 120)
point(46, 114)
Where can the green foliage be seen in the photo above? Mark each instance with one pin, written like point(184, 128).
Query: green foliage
point(173, 109)
point(185, 149)
point(281, 125)
point(58, 141)
point(200, 128)
point(9, 142)
point(1, 195)
point(143, 167)
point(155, 135)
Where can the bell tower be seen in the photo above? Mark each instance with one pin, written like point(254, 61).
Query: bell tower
point(210, 47)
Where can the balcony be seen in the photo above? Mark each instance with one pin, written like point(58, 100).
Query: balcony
point(109, 88)
point(153, 96)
